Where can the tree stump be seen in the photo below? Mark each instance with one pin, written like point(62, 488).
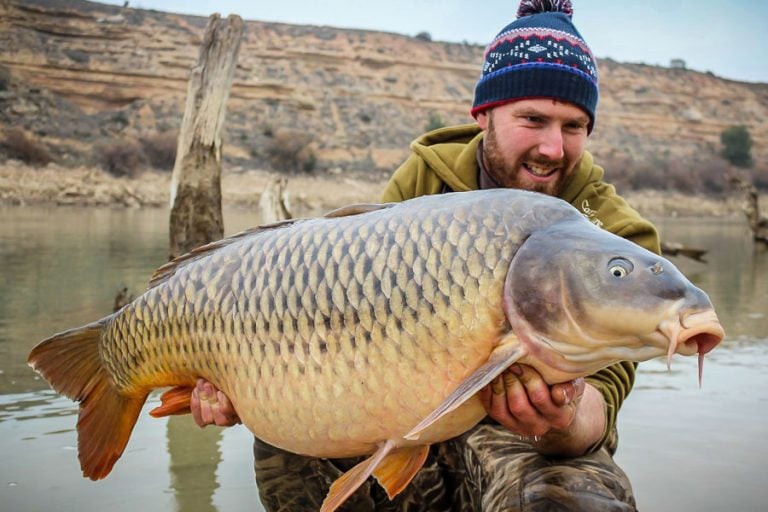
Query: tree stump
point(758, 223)
point(274, 202)
point(196, 216)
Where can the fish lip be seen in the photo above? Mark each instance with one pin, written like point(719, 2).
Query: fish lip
point(702, 329)
point(692, 332)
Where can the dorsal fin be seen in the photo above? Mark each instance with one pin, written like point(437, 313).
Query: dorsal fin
point(357, 209)
point(165, 272)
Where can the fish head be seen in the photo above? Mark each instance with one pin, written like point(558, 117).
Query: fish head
point(581, 299)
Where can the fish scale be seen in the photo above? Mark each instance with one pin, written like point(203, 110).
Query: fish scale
point(370, 331)
point(358, 294)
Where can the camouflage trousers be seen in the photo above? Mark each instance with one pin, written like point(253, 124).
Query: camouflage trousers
point(488, 468)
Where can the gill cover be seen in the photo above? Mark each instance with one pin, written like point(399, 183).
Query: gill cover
point(579, 294)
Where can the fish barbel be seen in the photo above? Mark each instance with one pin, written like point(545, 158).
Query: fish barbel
point(371, 330)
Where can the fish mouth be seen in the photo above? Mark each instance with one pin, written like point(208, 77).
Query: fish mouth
point(692, 333)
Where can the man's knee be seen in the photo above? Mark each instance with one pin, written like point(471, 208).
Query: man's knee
point(504, 473)
point(575, 485)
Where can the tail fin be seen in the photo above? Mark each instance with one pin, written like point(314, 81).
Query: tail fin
point(71, 364)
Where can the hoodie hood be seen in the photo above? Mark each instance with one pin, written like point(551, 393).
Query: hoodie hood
point(451, 153)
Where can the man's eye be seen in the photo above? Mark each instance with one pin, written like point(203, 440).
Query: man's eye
point(575, 127)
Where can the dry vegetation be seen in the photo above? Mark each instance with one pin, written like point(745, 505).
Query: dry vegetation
point(292, 152)
point(16, 144)
point(309, 193)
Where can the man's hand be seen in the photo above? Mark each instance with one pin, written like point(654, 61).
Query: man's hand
point(563, 419)
point(212, 407)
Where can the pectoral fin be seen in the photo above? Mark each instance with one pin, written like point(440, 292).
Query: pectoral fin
point(399, 467)
point(393, 467)
point(502, 357)
point(348, 483)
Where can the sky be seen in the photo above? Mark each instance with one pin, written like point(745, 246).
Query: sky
point(727, 37)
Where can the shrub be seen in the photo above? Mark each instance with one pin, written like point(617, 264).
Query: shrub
point(713, 176)
point(668, 173)
point(434, 122)
point(121, 158)
point(15, 144)
point(291, 150)
point(160, 149)
point(760, 178)
point(424, 36)
point(737, 146)
point(5, 78)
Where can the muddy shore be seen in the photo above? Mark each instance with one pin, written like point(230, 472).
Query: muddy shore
point(309, 195)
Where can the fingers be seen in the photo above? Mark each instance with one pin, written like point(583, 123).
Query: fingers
point(195, 405)
point(225, 414)
point(521, 400)
point(211, 407)
point(567, 392)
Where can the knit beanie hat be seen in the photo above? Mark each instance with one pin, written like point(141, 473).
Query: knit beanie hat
point(539, 55)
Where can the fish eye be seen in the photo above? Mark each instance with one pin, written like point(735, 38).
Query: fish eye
point(619, 267)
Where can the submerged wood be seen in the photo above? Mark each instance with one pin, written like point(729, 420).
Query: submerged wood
point(678, 249)
point(758, 223)
point(196, 216)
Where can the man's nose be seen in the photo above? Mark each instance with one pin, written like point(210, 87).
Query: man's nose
point(551, 143)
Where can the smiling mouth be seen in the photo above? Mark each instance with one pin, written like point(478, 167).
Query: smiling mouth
point(540, 172)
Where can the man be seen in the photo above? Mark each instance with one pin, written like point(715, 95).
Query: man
point(542, 447)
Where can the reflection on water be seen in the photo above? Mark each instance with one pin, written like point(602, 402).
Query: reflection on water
point(60, 268)
point(190, 479)
point(684, 448)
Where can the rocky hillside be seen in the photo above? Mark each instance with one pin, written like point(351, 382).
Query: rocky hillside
point(75, 75)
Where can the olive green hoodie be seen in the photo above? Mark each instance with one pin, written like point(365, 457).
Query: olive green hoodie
point(448, 158)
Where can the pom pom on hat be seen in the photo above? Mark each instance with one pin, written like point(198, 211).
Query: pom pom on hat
point(528, 7)
point(539, 55)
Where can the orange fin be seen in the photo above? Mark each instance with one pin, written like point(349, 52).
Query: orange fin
point(174, 401)
point(399, 467)
point(70, 362)
point(501, 358)
point(348, 483)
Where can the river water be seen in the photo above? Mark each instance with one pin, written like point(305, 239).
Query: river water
point(684, 448)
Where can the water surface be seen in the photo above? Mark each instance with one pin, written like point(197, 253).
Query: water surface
point(684, 448)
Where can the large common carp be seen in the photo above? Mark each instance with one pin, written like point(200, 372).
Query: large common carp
point(371, 330)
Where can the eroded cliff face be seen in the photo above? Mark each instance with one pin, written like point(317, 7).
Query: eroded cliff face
point(79, 73)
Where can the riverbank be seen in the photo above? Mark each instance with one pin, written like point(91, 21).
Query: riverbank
point(54, 185)
point(310, 194)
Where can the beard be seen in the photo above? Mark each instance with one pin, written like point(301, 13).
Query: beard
point(512, 175)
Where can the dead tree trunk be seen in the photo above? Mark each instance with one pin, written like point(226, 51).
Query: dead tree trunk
point(196, 216)
point(758, 224)
point(274, 202)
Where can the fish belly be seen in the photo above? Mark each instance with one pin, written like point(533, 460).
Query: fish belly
point(329, 336)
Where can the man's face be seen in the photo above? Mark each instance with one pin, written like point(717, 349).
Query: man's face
point(533, 144)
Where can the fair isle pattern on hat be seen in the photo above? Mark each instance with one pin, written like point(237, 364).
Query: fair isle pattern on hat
point(541, 54)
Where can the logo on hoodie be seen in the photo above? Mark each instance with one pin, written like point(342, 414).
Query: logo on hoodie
point(590, 214)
